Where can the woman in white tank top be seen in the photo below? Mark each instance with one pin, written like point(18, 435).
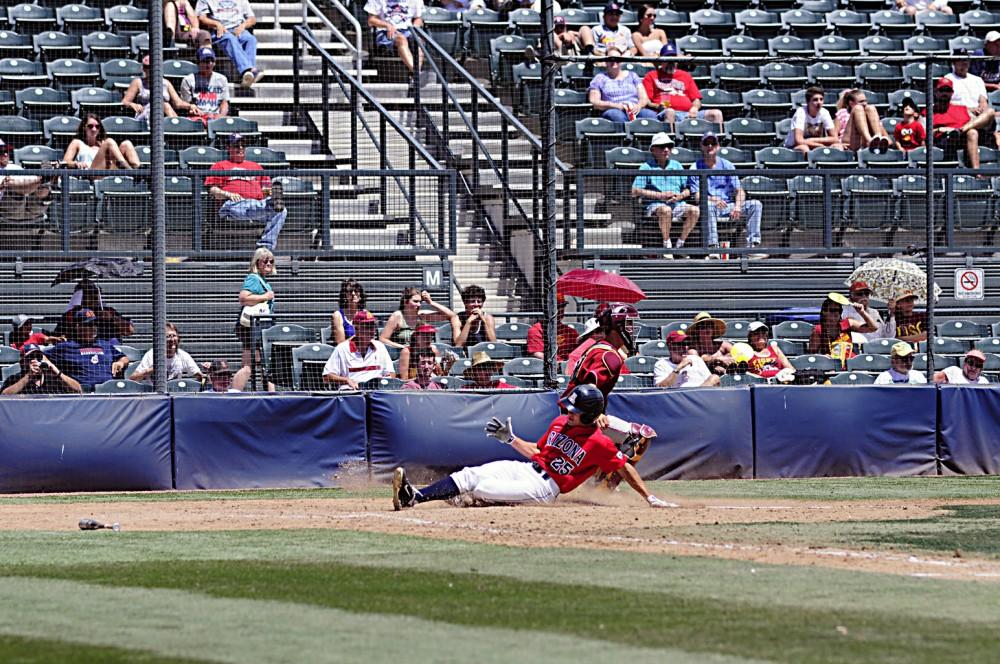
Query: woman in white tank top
point(94, 149)
point(648, 39)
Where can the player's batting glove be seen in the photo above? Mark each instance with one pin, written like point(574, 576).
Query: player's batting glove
point(656, 502)
point(502, 431)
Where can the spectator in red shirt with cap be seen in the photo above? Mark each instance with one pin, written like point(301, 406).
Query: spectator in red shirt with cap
point(954, 128)
point(566, 337)
point(910, 133)
point(23, 335)
point(673, 93)
point(360, 358)
point(249, 198)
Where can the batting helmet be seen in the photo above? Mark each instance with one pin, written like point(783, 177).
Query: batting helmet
point(586, 400)
point(621, 318)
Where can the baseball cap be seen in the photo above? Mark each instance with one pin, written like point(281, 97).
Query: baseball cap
point(364, 317)
point(559, 21)
point(909, 102)
point(85, 317)
point(859, 286)
point(961, 53)
point(218, 367)
point(668, 49)
point(612, 8)
point(945, 82)
point(425, 329)
point(905, 295)
point(991, 36)
point(661, 138)
point(206, 53)
point(20, 319)
point(709, 136)
point(978, 354)
point(757, 325)
point(676, 337)
point(235, 138)
point(29, 349)
point(902, 349)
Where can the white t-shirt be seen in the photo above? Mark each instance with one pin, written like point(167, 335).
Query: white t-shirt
point(207, 95)
point(400, 13)
point(956, 377)
point(887, 378)
point(883, 331)
point(181, 365)
point(347, 362)
point(230, 13)
point(967, 91)
point(812, 127)
point(693, 375)
point(605, 38)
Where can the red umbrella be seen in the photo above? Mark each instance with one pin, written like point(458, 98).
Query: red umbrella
point(599, 285)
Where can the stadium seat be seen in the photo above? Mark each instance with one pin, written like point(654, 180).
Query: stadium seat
point(728, 103)
point(9, 355)
point(910, 192)
point(988, 344)
point(178, 196)
point(445, 27)
point(170, 157)
point(974, 203)
point(179, 133)
point(634, 382)
point(735, 76)
point(940, 362)
point(851, 378)
point(809, 201)
point(831, 158)
point(803, 24)
point(450, 382)
point(460, 365)
point(18, 73)
point(123, 128)
point(42, 102)
point(524, 366)
point(780, 158)
point(690, 131)
point(920, 45)
point(791, 329)
point(526, 23)
point(879, 76)
point(868, 202)
point(868, 362)
point(893, 24)
point(639, 132)
point(640, 364)
point(945, 346)
point(697, 45)
point(220, 128)
point(836, 46)
point(482, 26)
point(958, 329)
point(139, 44)
point(937, 24)
point(736, 330)
point(444, 334)
point(104, 46)
point(831, 75)
point(655, 348)
point(13, 45)
point(781, 130)
point(978, 22)
point(267, 157)
point(31, 19)
point(82, 206)
point(815, 362)
point(758, 23)
point(879, 346)
point(750, 133)
point(571, 106)
point(739, 157)
point(18, 131)
point(6, 371)
point(307, 365)
point(594, 137)
point(183, 385)
point(122, 386)
point(118, 74)
point(497, 350)
point(99, 101)
point(712, 23)
point(848, 23)
point(818, 6)
point(123, 202)
point(788, 45)
point(175, 71)
point(877, 45)
point(676, 24)
point(896, 99)
point(773, 194)
point(7, 105)
point(79, 19)
point(527, 87)
point(52, 45)
point(768, 104)
point(72, 73)
point(512, 332)
point(505, 52)
point(889, 159)
point(685, 156)
point(126, 19)
point(519, 383)
point(680, 326)
point(33, 156)
point(789, 347)
point(742, 46)
point(966, 43)
point(381, 384)
point(736, 380)
point(577, 18)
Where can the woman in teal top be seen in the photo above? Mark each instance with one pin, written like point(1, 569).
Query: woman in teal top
point(254, 291)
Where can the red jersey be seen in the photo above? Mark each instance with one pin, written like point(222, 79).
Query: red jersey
point(565, 340)
point(681, 89)
point(909, 135)
point(954, 118)
point(570, 455)
point(766, 363)
point(37, 338)
point(600, 366)
point(249, 186)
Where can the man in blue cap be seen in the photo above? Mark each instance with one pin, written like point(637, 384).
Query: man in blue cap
point(247, 198)
point(726, 197)
point(85, 357)
point(38, 376)
point(207, 89)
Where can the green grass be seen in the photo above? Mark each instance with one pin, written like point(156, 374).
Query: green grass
point(23, 650)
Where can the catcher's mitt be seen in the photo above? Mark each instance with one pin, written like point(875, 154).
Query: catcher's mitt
point(633, 446)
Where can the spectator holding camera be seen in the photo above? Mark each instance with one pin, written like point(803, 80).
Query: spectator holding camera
point(89, 359)
point(475, 325)
point(39, 376)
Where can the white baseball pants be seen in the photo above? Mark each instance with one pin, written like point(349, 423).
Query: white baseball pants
point(506, 482)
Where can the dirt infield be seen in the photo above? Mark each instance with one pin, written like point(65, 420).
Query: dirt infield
point(600, 521)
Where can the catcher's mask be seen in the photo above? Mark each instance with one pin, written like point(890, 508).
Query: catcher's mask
point(586, 400)
point(621, 318)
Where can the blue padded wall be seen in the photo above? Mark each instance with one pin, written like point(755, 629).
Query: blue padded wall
point(89, 443)
point(970, 430)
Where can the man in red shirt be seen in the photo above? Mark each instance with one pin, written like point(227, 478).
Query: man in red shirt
point(250, 198)
point(569, 453)
point(953, 126)
point(566, 337)
point(673, 93)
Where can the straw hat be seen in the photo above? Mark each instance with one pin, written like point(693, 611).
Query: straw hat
point(705, 318)
point(482, 358)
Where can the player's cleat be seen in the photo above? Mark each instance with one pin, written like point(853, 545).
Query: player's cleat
point(403, 494)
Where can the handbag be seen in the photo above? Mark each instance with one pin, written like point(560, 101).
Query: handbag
point(253, 310)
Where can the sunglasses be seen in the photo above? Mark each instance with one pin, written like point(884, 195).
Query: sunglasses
point(93, 126)
point(975, 364)
point(907, 358)
point(267, 261)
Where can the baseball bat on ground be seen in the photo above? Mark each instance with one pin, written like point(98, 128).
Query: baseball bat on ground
point(93, 524)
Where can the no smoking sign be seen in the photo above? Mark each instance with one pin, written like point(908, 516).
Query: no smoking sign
point(969, 283)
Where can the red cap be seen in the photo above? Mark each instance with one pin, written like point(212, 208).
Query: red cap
point(860, 286)
point(676, 337)
point(945, 82)
point(425, 329)
point(362, 317)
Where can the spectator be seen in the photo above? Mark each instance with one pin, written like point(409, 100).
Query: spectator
point(879, 329)
point(901, 368)
point(726, 196)
point(832, 336)
point(420, 342)
point(475, 325)
point(220, 377)
point(971, 371)
point(910, 133)
point(566, 337)
point(181, 24)
point(404, 320)
point(858, 124)
point(812, 126)
point(482, 374)
point(910, 325)
point(970, 91)
point(231, 20)
point(703, 340)
point(682, 369)
point(89, 359)
point(954, 127)
point(207, 91)
point(989, 70)
point(38, 376)
point(21, 334)
point(618, 94)
point(673, 93)
point(768, 360)
point(22, 197)
point(426, 366)
point(359, 359)
point(248, 198)
point(565, 41)
point(352, 299)
point(256, 290)
point(179, 363)
point(110, 323)
point(600, 39)
point(92, 148)
point(663, 196)
point(648, 39)
point(912, 7)
point(393, 20)
point(136, 97)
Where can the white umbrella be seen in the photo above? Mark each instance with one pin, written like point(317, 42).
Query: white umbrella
point(889, 278)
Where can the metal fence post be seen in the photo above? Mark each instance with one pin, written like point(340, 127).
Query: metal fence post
point(324, 210)
point(929, 176)
point(827, 213)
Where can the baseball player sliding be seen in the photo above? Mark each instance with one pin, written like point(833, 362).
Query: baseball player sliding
point(570, 452)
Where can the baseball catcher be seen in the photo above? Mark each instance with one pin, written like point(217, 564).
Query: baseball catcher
point(570, 452)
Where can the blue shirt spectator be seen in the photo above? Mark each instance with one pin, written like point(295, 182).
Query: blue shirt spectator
point(723, 186)
point(663, 196)
point(85, 357)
